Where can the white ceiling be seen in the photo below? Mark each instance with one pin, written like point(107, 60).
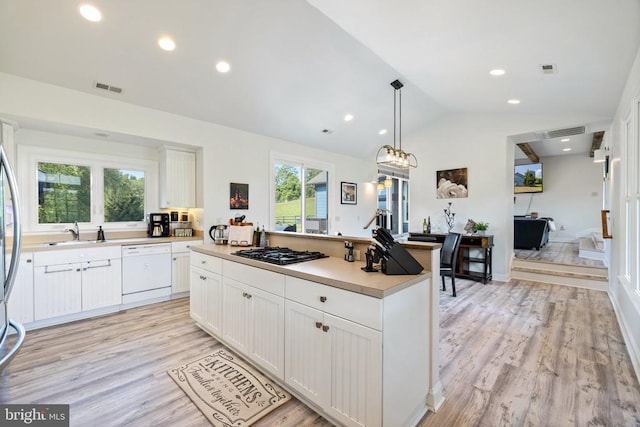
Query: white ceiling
point(298, 67)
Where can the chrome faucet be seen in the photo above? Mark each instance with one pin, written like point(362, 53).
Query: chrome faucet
point(75, 231)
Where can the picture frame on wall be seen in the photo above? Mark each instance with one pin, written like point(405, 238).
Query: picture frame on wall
point(452, 183)
point(348, 193)
point(238, 196)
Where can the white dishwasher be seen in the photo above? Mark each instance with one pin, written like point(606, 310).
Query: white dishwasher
point(146, 272)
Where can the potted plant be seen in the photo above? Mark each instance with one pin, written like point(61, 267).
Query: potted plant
point(480, 227)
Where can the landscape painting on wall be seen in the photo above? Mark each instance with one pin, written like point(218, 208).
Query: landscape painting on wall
point(239, 196)
point(451, 183)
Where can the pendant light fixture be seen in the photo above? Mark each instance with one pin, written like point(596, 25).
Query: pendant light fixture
point(392, 156)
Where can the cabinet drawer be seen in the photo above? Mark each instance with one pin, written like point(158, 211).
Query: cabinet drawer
point(66, 256)
point(262, 279)
point(358, 308)
point(206, 262)
point(184, 245)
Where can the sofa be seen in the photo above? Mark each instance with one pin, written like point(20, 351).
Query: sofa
point(530, 233)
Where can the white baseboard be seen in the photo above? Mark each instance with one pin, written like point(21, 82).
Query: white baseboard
point(632, 346)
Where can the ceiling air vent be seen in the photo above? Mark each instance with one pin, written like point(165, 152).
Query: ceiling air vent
point(107, 87)
point(548, 68)
point(560, 133)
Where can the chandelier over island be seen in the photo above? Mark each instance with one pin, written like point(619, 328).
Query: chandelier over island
point(392, 156)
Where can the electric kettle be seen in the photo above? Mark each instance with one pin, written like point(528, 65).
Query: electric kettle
point(218, 234)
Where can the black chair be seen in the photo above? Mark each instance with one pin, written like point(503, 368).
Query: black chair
point(449, 258)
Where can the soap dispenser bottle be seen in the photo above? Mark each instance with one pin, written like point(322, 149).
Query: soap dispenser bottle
point(100, 237)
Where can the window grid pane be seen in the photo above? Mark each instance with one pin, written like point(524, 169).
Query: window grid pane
point(64, 193)
point(123, 195)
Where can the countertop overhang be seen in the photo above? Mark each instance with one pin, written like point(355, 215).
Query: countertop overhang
point(331, 271)
point(39, 247)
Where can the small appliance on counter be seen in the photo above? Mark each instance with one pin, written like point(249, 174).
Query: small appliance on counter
point(158, 225)
point(219, 234)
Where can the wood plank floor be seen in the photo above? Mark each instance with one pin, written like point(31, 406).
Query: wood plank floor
point(518, 353)
point(558, 253)
point(112, 370)
point(529, 354)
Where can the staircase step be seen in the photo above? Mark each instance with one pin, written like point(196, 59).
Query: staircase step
point(591, 248)
point(561, 274)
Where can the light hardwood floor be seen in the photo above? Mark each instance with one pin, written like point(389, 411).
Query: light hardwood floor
point(518, 353)
point(558, 253)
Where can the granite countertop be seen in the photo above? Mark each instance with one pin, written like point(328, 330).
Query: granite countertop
point(84, 244)
point(331, 271)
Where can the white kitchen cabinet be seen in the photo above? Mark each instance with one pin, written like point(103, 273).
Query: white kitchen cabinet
point(57, 290)
point(101, 283)
point(180, 265)
point(205, 300)
point(253, 323)
point(73, 280)
point(339, 346)
point(335, 363)
point(20, 306)
point(177, 178)
point(205, 297)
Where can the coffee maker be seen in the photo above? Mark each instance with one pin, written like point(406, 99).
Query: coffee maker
point(158, 225)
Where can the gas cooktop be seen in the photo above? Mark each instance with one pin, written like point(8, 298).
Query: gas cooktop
point(280, 256)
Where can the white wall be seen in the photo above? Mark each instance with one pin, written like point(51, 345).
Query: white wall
point(572, 196)
point(480, 143)
point(228, 155)
point(624, 296)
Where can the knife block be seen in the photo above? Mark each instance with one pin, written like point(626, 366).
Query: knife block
point(399, 261)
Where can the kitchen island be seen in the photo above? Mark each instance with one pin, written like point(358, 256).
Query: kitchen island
point(359, 348)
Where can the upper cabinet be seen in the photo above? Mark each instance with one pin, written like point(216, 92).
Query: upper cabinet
point(177, 178)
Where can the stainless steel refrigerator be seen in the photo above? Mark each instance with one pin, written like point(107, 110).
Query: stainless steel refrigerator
point(9, 213)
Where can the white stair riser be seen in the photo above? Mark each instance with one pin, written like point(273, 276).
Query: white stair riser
point(560, 280)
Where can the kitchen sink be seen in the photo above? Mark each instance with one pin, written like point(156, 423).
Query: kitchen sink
point(74, 242)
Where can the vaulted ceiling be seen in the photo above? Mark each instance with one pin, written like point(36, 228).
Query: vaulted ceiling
point(297, 68)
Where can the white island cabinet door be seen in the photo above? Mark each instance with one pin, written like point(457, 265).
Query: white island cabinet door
point(235, 321)
point(267, 331)
point(213, 300)
point(306, 361)
point(355, 352)
point(101, 284)
point(57, 290)
point(197, 300)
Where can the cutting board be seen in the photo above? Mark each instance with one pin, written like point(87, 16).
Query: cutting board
point(240, 235)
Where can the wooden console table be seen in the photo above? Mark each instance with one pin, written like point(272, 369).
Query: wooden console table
point(483, 245)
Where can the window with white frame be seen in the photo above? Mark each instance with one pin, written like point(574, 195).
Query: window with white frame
point(393, 200)
point(84, 187)
point(630, 229)
point(300, 195)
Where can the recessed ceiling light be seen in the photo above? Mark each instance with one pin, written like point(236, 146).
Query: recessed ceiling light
point(223, 67)
point(348, 117)
point(90, 13)
point(497, 72)
point(166, 43)
point(382, 132)
point(514, 101)
point(565, 140)
point(566, 149)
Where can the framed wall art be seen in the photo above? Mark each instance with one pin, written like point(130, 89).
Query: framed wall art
point(348, 193)
point(451, 183)
point(238, 196)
